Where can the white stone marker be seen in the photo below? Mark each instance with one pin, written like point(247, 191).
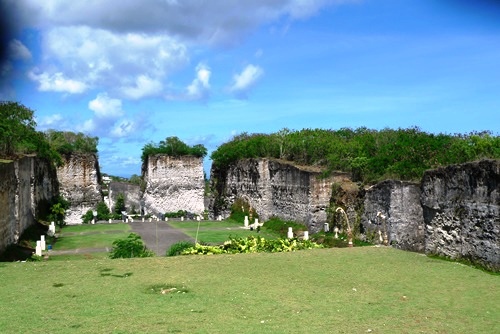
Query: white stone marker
point(38, 249)
point(166, 219)
point(150, 220)
point(198, 218)
point(42, 242)
point(326, 227)
point(336, 230)
point(219, 218)
point(110, 220)
point(245, 222)
point(182, 218)
point(143, 219)
point(306, 235)
point(290, 233)
point(256, 222)
point(52, 229)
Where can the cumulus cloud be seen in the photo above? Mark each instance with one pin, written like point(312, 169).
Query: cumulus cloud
point(131, 48)
point(199, 88)
point(107, 111)
point(57, 82)
point(244, 81)
point(132, 65)
point(123, 128)
point(144, 86)
point(105, 107)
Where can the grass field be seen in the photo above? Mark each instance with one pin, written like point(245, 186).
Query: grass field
point(216, 232)
point(348, 290)
point(90, 236)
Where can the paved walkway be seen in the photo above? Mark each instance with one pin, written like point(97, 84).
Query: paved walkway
point(159, 236)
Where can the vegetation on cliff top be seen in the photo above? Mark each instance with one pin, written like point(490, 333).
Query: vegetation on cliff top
point(370, 155)
point(174, 147)
point(18, 136)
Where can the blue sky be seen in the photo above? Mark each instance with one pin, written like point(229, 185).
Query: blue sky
point(133, 72)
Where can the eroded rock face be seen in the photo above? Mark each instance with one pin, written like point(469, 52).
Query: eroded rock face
point(461, 208)
point(173, 184)
point(275, 188)
point(393, 207)
point(27, 186)
point(131, 192)
point(79, 180)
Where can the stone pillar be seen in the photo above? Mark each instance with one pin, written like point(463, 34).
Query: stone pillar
point(245, 223)
point(290, 233)
point(42, 242)
point(38, 249)
point(306, 235)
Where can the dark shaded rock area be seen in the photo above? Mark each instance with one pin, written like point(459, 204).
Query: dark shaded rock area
point(461, 208)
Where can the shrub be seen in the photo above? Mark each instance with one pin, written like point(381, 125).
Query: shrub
point(252, 244)
point(280, 226)
point(131, 246)
point(179, 247)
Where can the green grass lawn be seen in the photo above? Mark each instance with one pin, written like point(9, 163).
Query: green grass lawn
point(90, 236)
point(216, 232)
point(348, 290)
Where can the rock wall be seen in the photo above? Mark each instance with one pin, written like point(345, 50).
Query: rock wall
point(393, 207)
point(79, 180)
point(131, 192)
point(173, 184)
point(275, 188)
point(27, 186)
point(461, 209)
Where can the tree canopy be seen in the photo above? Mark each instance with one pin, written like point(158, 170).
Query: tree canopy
point(173, 146)
point(66, 142)
point(370, 155)
point(18, 136)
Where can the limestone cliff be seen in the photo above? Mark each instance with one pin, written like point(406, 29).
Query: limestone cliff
point(173, 184)
point(131, 192)
point(274, 188)
point(461, 210)
point(393, 207)
point(27, 186)
point(79, 180)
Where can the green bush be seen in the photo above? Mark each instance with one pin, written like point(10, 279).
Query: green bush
point(179, 247)
point(280, 226)
point(252, 244)
point(240, 209)
point(131, 246)
point(178, 214)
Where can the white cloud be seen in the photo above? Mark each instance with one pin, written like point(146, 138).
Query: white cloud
point(144, 86)
point(245, 80)
point(199, 88)
point(105, 107)
point(123, 128)
point(130, 49)
point(17, 50)
point(132, 65)
point(50, 121)
point(57, 82)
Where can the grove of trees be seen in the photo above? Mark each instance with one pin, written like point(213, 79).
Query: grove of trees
point(370, 155)
point(173, 146)
point(18, 136)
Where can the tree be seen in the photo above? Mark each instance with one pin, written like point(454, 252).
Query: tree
point(17, 124)
point(131, 246)
point(120, 204)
